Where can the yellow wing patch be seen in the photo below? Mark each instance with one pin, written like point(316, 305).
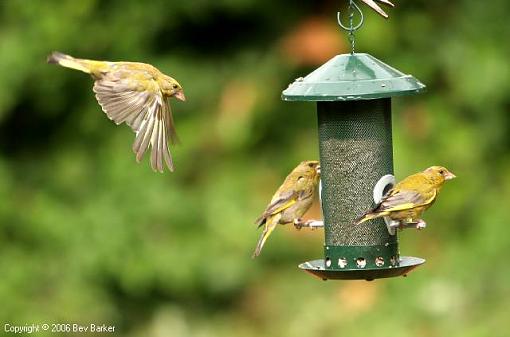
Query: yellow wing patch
point(411, 205)
point(284, 206)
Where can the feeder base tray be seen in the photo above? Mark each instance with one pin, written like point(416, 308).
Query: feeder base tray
point(406, 265)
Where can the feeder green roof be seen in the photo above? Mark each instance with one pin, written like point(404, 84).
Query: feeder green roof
point(352, 77)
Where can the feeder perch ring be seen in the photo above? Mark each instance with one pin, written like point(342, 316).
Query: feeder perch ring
point(382, 187)
point(320, 193)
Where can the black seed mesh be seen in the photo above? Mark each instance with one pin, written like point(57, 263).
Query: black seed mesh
point(355, 152)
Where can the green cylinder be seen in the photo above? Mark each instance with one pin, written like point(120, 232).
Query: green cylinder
point(355, 143)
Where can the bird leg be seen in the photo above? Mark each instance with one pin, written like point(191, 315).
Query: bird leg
point(402, 225)
point(313, 224)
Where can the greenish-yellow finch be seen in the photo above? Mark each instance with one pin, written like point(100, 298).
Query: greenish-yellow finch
point(136, 94)
point(407, 201)
point(292, 199)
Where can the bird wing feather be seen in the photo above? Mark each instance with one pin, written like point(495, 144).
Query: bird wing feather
point(372, 4)
point(400, 200)
point(144, 109)
point(282, 202)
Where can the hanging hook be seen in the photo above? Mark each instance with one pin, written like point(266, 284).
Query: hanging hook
point(351, 28)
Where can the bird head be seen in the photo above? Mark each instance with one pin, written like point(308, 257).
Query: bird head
point(170, 87)
point(307, 171)
point(439, 174)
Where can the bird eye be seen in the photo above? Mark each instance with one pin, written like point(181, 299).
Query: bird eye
point(175, 86)
point(310, 165)
point(441, 171)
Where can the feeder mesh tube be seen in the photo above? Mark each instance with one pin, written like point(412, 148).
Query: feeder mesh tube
point(355, 152)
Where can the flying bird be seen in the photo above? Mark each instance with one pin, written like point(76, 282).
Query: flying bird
point(136, 94)
point(406, 202)
point(372, 4)
point(292, 199)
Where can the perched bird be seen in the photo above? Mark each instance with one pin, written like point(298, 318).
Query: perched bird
point(406, 202)
point(135, 94)
point(292, 199)
point(372, 4)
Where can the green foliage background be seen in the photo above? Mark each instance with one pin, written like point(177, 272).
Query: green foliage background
point(89, 236)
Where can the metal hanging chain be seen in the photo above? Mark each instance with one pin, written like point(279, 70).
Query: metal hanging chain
point(352, 39)
point(351, 28)
point(353, 6)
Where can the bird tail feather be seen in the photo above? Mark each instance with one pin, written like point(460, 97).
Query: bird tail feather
point(68, 62)
point(268, 229)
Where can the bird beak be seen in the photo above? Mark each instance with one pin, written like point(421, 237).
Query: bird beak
point(318, 169)
point(450, 176)
point(180, 96)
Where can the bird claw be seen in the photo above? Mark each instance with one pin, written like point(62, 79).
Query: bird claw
point(421, 224)
point(298, 224)
point(393, 225)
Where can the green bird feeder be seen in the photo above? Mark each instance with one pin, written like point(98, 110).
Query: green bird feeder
point(353, 94)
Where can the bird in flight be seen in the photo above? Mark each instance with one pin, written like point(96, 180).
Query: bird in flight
point(136, 94)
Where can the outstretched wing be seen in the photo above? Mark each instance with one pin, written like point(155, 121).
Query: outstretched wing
point(140, 104)
point(278, 204)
